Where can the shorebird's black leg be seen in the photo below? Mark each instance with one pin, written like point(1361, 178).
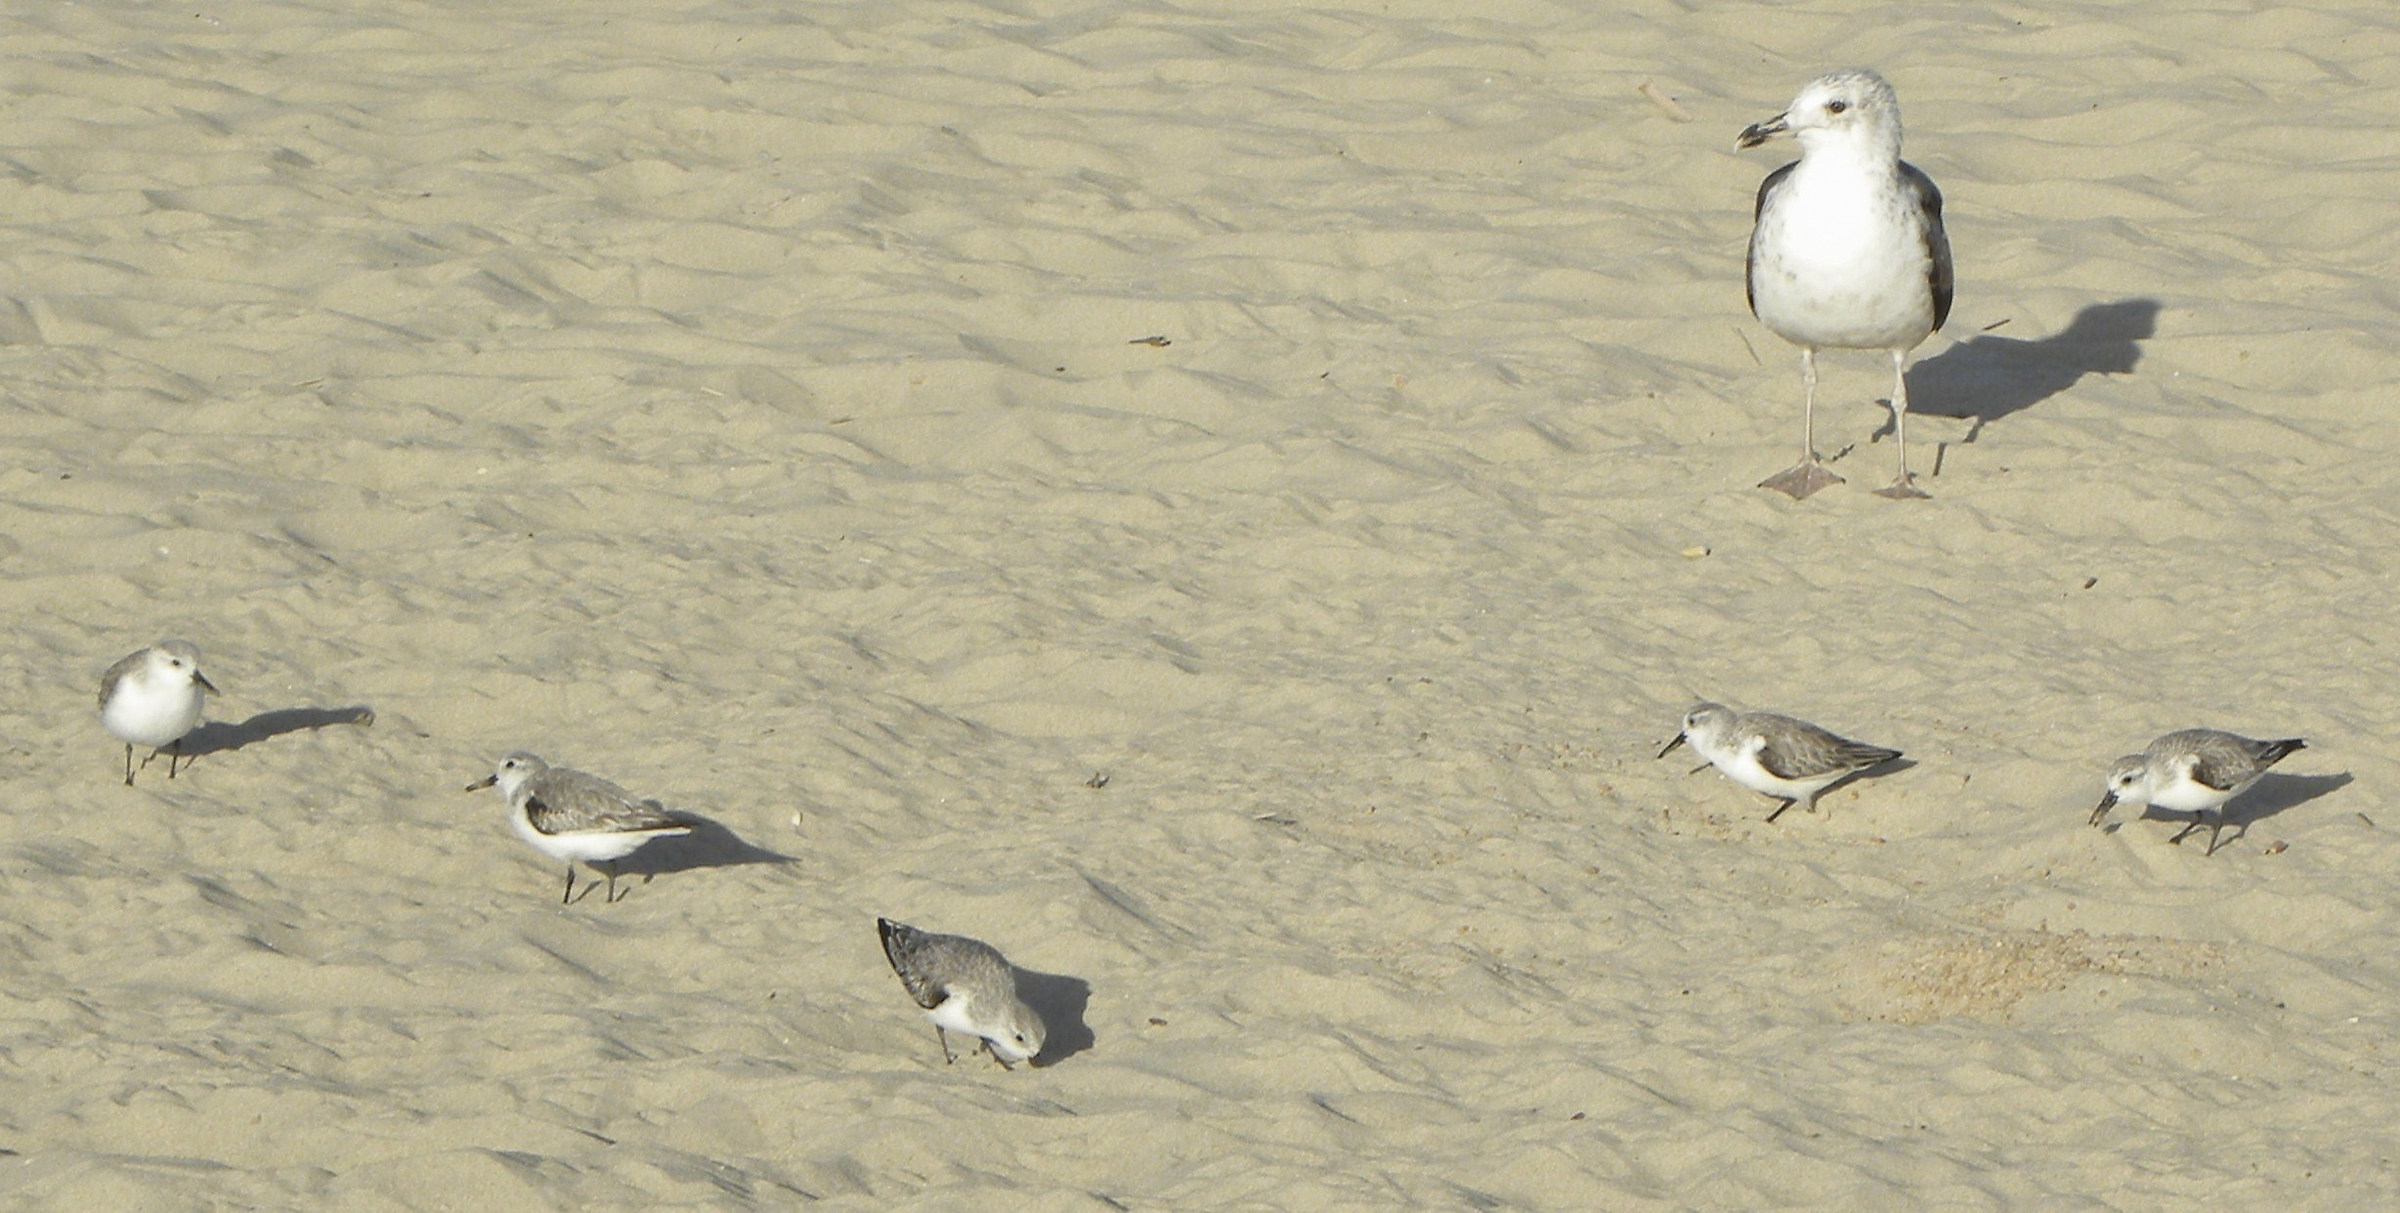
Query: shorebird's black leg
point(129, 764)
point(611, 869)
point(948, 1058)
point(568, 897)
point(1779, 810)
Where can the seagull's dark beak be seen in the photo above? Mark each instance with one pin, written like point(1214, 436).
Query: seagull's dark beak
point(1670, 747)
point(1759, 132)
point(2107, 802)
point(205, 684)
point(482, 783)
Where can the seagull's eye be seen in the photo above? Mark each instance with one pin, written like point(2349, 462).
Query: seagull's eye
point(1835, 107)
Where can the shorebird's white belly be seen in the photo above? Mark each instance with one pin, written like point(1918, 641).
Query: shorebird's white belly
point(957, 1014)
point(1743, 767)
point(586, 846)
point(2183, 794)
point(148, 716)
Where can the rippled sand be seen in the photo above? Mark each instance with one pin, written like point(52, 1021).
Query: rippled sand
point(1330, 431)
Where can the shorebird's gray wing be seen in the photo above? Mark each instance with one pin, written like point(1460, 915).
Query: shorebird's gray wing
point(1796, 749)
point(118, 672)
point(1939, 274)
point(906, 947)
point(2224, 761)
point(1757, 212)
point(567, 802)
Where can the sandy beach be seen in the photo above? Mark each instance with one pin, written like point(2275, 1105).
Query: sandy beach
point(1223, 502)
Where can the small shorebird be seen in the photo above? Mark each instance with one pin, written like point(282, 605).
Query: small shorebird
point(1848, 250)
point(2192, 771)
point(571, 816)
point(965, 986)
point(153, 698)
point(1791, 760)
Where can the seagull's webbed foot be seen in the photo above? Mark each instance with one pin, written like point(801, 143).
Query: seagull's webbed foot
point(1801, 479)
point(1904, 489)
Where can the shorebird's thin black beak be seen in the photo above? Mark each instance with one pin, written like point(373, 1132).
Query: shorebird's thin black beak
point(1670, 746)
point(205, 684)
point(482, 783)
point(1759, 132)
point(2107, 801)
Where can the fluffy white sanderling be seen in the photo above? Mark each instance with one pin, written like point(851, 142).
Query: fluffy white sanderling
point(1791, 760)
point(1848, 251)
point(964, 986)
point(572, 816)
point(154, 698)
point(2192, 771)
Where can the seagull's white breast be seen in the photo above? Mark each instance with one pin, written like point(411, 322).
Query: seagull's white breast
point(1839, 258)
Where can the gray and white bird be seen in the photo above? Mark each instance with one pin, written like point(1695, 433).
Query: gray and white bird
point(965, 986)
point(1791, 760)
point(2192, 771)
point(571, 816)
point(1848, 250)
point(154, 698)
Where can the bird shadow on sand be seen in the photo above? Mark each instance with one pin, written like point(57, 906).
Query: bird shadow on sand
point(218, 736)
point(710, 845)
point(2274, 793)
point(1987, 376)
point(1861, 775)
point(1060, 1001)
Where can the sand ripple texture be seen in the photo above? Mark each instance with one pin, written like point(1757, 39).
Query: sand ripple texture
point(752, 403)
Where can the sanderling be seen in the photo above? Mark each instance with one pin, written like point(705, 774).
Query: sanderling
point(1848, 250)
point(154, 698)
point(2192, 771)
point(569, 815)
point(965, 986)
point(1791, 760)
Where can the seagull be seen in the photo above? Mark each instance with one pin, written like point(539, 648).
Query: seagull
point(569, 815)
point(2192, 771)
point(965, 986)
point(1791, 760)
point(1848, 250)
point(154, 698)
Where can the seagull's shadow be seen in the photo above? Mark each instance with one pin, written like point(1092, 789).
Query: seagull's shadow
point(710, 845)
point(1060, 1001)
point(1987, 377)
point(217, 736)
point(2274, 793)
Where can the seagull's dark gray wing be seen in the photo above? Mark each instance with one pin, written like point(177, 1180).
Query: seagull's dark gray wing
point(1750, 267)
point(1937, 241)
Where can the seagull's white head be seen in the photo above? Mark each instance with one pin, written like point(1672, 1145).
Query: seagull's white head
point(1854, 109)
